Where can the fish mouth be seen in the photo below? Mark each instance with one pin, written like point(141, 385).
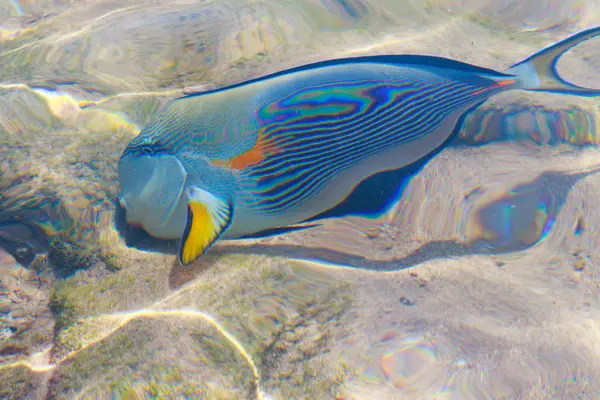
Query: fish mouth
point(124, 206)
point(122, 203)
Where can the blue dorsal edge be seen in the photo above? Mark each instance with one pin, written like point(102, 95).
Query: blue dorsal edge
point(399, 60)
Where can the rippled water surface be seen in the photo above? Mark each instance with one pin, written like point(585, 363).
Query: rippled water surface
point(481, 281)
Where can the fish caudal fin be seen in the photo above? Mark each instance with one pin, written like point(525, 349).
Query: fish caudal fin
point(538, 71)
point(208, 218)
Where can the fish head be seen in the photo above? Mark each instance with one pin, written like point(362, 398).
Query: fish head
point(152, 187)
point(159, 194)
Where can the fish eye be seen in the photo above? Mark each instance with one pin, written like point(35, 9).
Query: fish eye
point(146, 150)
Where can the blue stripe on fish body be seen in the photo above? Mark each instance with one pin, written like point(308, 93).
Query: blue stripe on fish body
point(318, 143)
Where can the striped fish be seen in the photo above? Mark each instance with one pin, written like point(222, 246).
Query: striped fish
point(275, 151)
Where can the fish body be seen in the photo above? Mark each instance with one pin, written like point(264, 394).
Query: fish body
point(282, 149)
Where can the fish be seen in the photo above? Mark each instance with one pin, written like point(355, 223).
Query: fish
point(272, 152)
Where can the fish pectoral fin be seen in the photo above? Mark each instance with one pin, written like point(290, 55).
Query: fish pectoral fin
point(208, 217)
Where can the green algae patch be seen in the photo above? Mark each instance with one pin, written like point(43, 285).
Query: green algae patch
point(245, 323)
point(17, 382)
point(287, 315)
point(20, 382)
point(94, 292)
point(167, 355)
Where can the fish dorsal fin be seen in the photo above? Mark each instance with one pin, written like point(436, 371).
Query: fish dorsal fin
point(208, 217)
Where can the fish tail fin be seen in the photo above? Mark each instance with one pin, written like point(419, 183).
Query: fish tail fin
point(538, 71)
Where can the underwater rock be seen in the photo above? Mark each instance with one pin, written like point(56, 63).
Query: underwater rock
point(541, 125)
point(24, 242)
point(26, 330)
point(26, 322)
point(61, 186)
point(248, 324)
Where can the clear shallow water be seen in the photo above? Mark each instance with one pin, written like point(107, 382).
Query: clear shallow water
point(480, 282)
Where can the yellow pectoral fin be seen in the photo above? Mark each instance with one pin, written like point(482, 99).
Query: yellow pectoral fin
point(207, 218)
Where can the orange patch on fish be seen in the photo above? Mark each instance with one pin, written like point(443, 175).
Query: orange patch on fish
point(496, 86)
point(261, 149)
